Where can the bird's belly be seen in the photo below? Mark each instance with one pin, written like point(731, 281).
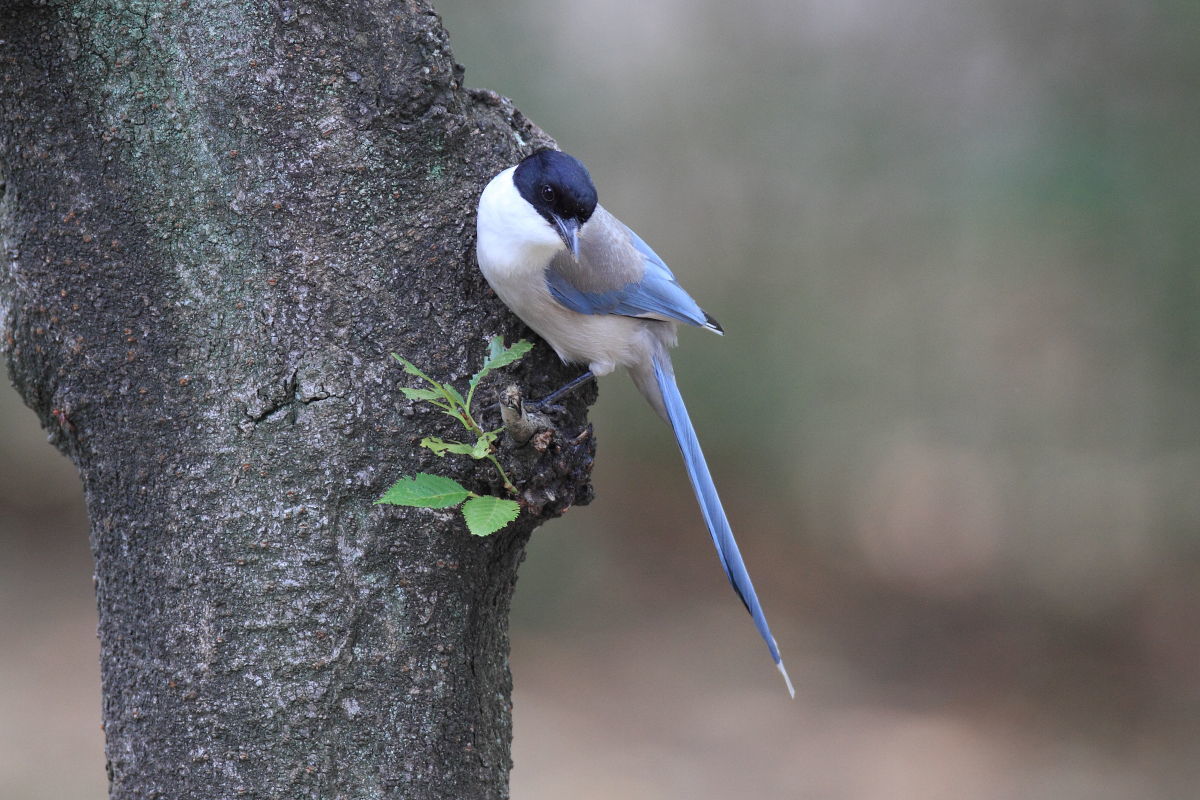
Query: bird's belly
point(602, 341)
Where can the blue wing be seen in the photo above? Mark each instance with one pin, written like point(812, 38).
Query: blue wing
point(618, 273)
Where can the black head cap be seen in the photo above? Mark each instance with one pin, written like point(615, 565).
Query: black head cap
point(557, 185)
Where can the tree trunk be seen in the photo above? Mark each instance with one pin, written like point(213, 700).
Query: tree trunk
point(218, 219)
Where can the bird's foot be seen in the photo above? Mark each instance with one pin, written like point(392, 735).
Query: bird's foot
point(547, 402)
point(511, 397)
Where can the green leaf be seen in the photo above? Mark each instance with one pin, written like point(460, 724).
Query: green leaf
point(500, 356)
point(425, 491)
point(411, 368)
point(440, 447)
point(422, 394)
point(487, 514)
point(453, 394)
point(483, 445)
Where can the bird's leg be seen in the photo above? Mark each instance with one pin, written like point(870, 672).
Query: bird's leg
point(547, 402)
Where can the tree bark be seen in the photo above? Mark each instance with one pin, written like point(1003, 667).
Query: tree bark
point(218, 218)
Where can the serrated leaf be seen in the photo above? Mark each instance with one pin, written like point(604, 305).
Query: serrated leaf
point(425, 491)
point(440, 446)
point(422, 394)
point(495, 348)
point(411, 368)
point(452, 394)
point(486, 515)
point(483, 445)
point(500, 356)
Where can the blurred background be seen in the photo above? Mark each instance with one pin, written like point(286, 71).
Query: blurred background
point(955, 418)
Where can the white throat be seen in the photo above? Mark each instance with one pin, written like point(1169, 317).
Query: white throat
point(512, 237)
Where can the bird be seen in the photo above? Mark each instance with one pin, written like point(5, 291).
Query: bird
point(599, 296)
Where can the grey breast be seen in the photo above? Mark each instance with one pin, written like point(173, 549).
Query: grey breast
point(608, 261)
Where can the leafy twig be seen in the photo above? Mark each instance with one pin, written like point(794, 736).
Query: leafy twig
point(484, 514)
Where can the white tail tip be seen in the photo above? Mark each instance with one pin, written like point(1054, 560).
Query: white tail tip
point(783, 672)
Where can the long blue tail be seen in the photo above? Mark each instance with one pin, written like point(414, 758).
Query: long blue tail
point(710, 506)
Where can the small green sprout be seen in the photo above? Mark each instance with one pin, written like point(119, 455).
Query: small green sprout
point(484, 514)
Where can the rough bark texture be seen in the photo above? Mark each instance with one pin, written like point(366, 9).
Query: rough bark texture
point(218, 218)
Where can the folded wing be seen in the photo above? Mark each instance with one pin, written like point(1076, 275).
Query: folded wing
point(618, 273)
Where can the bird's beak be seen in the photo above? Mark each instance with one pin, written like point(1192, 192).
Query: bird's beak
point(568, 229)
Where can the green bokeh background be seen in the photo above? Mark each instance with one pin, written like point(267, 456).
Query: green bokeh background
point(955, 417)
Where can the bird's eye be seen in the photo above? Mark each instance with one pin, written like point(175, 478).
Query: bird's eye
point(548, 193)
